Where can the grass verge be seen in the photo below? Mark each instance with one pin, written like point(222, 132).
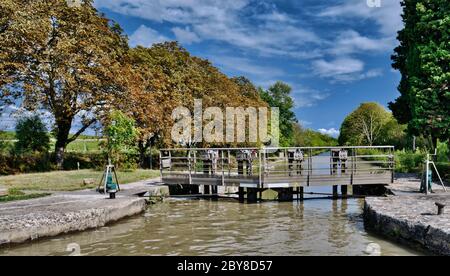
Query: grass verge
point(68, 180)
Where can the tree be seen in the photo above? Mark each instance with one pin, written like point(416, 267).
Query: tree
point(121, 134)
point(279, 95)
point(166, 76)
point(423, 59)
point(394, 134)
point(32, 135)
point(67, 60)
point(364, 126)
point(246, 87)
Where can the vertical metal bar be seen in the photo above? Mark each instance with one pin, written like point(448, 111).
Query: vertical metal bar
point(223, 168)
point(392, 165)
point(170, 158)
point(190, 167)
point(160, 164)
point(352, 160)
point(426, 174)
point(286, 158)
point(229, 163)
point(309, 167)
point(260, 169)
point(195, 162)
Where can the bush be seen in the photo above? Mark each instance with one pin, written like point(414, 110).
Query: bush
point(443, 153)
point(444, 170)
point(409, 162)
point(45, 162)
point(24, 163)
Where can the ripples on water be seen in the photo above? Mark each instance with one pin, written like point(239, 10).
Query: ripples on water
point(201, 227)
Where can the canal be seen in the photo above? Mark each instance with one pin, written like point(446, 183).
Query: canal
point(225, 227)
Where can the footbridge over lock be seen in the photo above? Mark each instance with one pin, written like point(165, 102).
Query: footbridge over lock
point(285, 170)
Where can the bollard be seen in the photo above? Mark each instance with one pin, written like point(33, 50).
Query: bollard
point(441, 208)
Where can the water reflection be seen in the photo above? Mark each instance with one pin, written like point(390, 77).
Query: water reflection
point(201, 227)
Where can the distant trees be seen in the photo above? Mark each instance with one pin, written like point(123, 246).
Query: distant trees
point(279, 95)
point(423, 59)
point(370, 124)
point(66, 60)
point(309, 138)
point(31, 135)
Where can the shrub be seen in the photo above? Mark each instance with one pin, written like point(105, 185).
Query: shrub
point(44, 162)
point(444, 170)
point(408, 161)
point(443, 153)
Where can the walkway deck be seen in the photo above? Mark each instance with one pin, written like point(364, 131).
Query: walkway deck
point(278, 167)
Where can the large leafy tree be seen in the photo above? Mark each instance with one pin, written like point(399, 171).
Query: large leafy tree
point(60, 58)
point(365, 125)
point(166, 76)
point(279, 95)
point(423, 59)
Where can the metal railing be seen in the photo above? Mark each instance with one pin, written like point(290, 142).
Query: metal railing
point(278, 167)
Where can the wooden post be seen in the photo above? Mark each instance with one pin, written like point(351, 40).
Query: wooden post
point(206, 190)
point(194, 189)
point(344, 190)
point(302, 193)
point(335, 192)
point(252, 195)
point(241, 194)
point(285, 194)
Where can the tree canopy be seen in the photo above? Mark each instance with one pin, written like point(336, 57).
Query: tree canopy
point(66, 60)
point(32, 135)
point(279, 95)
point(167, 76)
point(423, 59)
point(370, 124)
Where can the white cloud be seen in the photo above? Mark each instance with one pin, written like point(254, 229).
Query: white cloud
point(276, 33)
point(276, 16)
point(270, 39)
point(350, 41)
point(331, 132)
point(246, 66)
point(175, 11)
point(145, 36)
point(307, 97)
point(304, 123)
point(337, 67)
point(343, 69)
point(185, 36)
point(387, 17)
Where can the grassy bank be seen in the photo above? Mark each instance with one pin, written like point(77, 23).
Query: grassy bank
point(14, 195)
point(68, 180)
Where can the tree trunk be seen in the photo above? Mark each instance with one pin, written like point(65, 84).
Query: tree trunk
point(142, 150)
point(433, 142)
point(62, 137)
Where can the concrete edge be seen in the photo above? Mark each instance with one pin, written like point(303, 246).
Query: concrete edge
point(76, 221)
point(407, 232)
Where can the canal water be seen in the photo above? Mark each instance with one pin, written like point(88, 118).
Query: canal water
point(225, 227)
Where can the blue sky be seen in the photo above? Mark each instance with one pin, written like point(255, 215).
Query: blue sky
point(335, 53)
